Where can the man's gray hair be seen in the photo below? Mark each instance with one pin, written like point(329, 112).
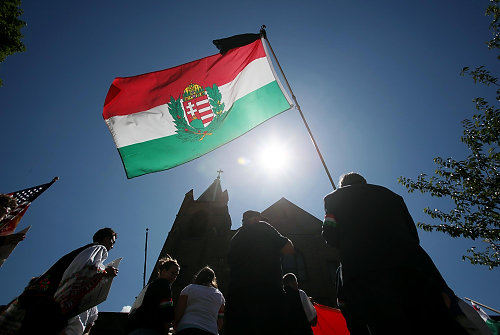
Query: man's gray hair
point(351, 178)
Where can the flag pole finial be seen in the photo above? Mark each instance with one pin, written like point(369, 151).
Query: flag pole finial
point(263, 31)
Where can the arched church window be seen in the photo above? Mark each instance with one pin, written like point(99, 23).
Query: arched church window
point(294, 263)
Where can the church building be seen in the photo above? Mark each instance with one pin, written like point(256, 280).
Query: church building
point(201, 233)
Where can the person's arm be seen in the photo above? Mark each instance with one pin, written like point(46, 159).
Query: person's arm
point(220, 317)
point(288, 248)
point(330, 226)
point(92, 317)
point(180, 308)
point(280, 242)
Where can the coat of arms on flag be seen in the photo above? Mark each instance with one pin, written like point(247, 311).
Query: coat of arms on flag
point(196, 106)
point(197, 113)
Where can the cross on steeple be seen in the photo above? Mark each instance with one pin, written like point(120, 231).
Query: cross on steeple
point(219, 171)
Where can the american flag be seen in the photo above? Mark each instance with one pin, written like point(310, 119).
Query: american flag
point(24, 198)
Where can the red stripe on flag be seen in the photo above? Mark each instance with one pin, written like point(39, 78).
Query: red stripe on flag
point(128, 95)
point(10, 227)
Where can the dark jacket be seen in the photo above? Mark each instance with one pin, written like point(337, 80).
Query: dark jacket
point(374, 228)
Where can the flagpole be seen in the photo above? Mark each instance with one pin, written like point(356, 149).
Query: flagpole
point(263, 33)
point(145, 259)
point(480, 304)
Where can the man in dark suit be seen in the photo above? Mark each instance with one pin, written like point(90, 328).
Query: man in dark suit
point(255, 295)
point(390, 284)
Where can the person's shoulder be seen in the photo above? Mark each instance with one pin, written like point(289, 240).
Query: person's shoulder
point(199, 287)
point(211, 290)
point(303, 294)
point(261, 224)
point(89, 246)
point(334, 194)
point(382, 192)
point(217, 293)
point(265, 227)
point(358, 188)
point(186, 289)
point(330, 195)
point(98, 247)
point(92, 249)
point(379, 188)
point(220, 295)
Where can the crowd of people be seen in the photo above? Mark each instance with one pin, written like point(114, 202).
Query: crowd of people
point(386, 283)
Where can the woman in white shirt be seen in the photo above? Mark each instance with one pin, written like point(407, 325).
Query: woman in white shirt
point(200, 308)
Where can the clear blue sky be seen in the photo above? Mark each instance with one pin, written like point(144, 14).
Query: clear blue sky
point(378, 82)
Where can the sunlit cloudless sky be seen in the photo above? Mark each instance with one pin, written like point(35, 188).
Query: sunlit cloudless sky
point(378, 82)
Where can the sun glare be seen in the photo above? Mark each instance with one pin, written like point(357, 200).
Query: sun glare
point(274, 157)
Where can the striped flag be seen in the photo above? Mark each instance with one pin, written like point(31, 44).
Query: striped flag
point(330, 321)
point(162, 119)
point(24, 198)
point(492, 324)
point(330, 220)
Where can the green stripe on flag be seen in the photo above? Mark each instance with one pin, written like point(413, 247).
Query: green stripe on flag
point(494, 326)
point(168, 152)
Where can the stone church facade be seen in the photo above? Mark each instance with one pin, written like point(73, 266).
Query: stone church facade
point(201, 233)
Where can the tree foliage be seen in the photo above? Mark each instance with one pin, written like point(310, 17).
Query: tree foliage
point(473, 184)
point(10, 29)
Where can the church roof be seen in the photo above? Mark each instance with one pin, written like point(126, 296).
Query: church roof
point(214, 192)
point(288, 218)
point(284, 203)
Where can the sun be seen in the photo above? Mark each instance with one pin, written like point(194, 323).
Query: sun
point(274, 157)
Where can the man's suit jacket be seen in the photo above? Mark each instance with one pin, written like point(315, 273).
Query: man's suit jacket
point(371, 228)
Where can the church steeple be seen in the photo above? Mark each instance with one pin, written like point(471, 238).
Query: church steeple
point(214, 191)
point(199, 234)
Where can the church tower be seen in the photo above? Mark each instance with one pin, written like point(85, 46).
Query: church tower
point(200, 236)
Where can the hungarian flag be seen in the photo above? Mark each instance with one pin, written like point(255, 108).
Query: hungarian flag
point(330, 321)
point(492, 324)
point(166, 118)
point(23, 199)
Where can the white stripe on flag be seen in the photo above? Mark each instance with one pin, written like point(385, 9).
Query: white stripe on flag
point(204, 109)
point(201, 102)
point(207, 116)
point(480, 311)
